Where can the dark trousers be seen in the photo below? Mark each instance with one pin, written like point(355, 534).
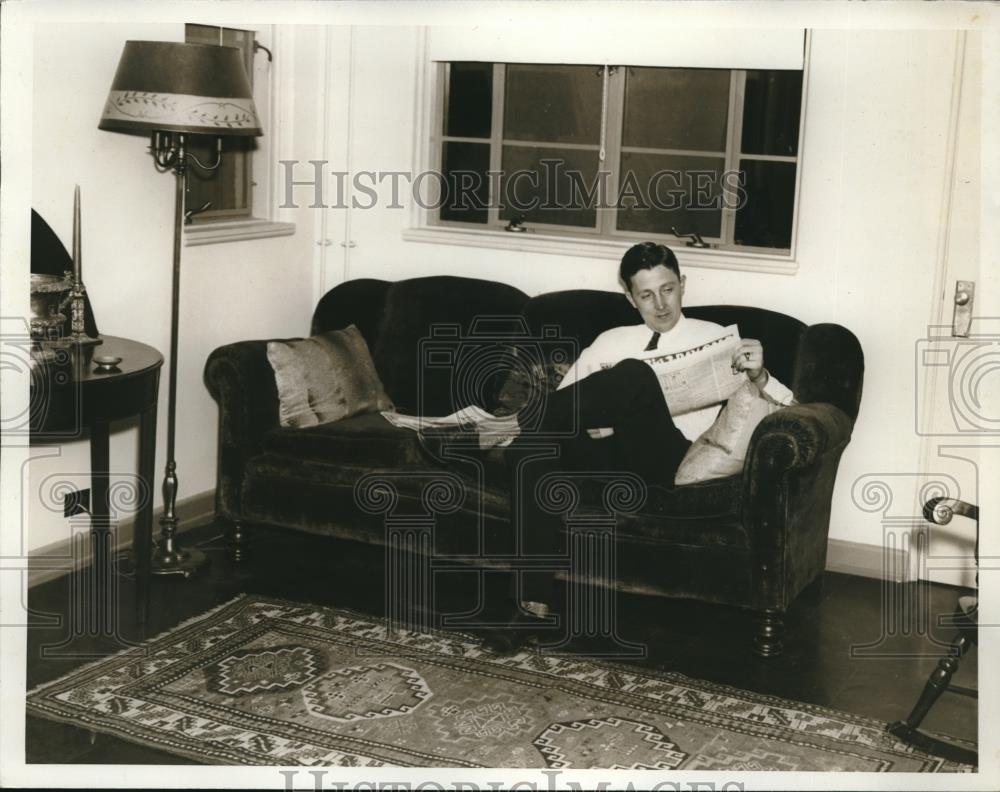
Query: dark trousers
point(645, 442)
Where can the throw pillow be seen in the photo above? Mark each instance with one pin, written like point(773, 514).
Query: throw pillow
point(722, 448)
point(325, 378)
point(527, 383)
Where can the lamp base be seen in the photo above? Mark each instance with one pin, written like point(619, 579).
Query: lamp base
point(175, 561)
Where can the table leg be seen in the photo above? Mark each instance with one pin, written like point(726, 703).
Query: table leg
point(102, 608)
point(143, 538)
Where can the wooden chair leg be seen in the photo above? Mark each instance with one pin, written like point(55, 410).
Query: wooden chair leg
point(939, 680)
point(769, 640)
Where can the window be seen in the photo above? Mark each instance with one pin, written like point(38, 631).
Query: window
point(621, 153)
point(228, 189)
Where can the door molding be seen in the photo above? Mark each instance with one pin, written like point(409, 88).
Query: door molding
point(936, 315)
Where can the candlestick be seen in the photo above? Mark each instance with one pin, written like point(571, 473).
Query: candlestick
point(77, 294)
point(76, 237)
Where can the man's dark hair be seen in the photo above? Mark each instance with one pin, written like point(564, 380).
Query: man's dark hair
point(646, 255)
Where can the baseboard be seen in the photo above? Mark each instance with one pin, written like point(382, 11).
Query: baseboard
point(55, 560)
point(865, 560)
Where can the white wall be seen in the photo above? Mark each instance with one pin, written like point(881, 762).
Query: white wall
point(232, 291)
point(873, 158)
point(872, 183)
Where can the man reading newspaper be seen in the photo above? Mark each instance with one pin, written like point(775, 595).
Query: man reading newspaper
point(626, 420)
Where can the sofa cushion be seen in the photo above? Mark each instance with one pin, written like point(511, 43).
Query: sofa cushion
point(358, 302)
point(436, 339)
point(362, 440)
point(579, 314)
point(325, 378)
point(700, 514)
point(529, 381)
point(722, 448)
point(559, 326)
point(322, 498)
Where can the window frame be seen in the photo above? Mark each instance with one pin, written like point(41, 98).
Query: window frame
point(426, 225)
point(273, 94)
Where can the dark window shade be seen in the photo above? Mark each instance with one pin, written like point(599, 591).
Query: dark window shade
point(766, 218)
point(678, 185)
point(553, 104)
point(470, 100)
point(676, 108)
point(555, 188)
point(464, 167)
point(772, 105)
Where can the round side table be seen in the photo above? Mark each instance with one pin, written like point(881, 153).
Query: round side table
point(66, 401)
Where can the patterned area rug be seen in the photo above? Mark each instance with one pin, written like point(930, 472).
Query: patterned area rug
point(267, 682)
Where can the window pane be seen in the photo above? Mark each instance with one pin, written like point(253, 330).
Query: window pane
point(553, 104)
point(557, 186)
point(771, 106)
point(766, 218)
point(203, 34)
point(676, 190)
point(676, 108)
point(228, 187)
point(224, 37)
point(465, 167)
point(470, 100)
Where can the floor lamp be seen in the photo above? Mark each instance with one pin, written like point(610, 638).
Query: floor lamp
point(170, 90)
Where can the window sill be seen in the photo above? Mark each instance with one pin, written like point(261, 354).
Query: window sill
point(234, 231)
point(612, 250)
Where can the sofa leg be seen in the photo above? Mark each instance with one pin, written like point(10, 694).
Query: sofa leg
point(236, 542)
point(768, 642)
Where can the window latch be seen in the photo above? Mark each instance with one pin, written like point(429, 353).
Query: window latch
point(516, 225)
point(693, 238)
point(257, 47)
point(192, 212)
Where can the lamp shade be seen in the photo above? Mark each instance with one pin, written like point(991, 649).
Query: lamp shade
point(196, 88)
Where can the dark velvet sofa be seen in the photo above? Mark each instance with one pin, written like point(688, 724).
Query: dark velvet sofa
point(753, 540)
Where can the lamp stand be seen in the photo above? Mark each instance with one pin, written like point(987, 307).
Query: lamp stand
point(169, 152)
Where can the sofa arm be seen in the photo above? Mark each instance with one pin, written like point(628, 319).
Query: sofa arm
point(788, 481)
point(829, 368)
point(794, 437)
point(241, 380)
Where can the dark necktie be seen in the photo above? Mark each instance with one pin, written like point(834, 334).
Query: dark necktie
point(652, 343)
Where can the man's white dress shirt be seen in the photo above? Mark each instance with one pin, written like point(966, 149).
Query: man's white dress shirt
point(615, 345)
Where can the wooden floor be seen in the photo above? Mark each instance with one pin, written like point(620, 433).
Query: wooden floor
point(707, 642)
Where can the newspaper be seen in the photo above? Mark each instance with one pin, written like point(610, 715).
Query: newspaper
point(491, 430)
point(691, 379)
point(700, 376)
